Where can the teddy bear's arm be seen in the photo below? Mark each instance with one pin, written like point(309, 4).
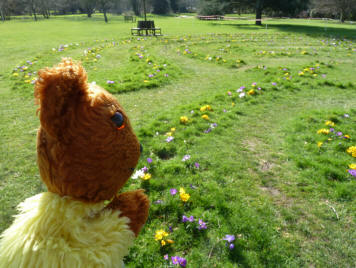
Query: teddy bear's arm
point(133, 205)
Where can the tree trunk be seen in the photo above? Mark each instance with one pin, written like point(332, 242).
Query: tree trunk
point(89, 14)
point(144, 8)
point(135, 7)
point(342, 17)
point(105, 17)
point(259, 8)
point(34, 14)
point(2, 15)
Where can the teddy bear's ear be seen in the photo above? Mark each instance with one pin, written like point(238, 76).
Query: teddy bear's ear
point(58, 91)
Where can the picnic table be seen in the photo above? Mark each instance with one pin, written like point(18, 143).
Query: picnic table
point(129, 18)
point(146, 27)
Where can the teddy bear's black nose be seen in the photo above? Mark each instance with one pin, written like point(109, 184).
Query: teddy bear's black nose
point(141, 148)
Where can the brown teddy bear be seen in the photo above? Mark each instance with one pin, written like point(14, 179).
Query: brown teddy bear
point(86, 151)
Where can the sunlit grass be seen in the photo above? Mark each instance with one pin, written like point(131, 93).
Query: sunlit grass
point(250, 172)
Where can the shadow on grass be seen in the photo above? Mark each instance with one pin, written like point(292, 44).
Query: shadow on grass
point(312, 30)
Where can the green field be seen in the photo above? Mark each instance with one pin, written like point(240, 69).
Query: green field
point(257, 124)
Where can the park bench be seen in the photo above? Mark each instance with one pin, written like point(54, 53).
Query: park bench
point(146, 28)
point(129, 18)
point(213, 17)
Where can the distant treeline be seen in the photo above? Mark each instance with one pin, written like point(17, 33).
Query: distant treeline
point(340, 9)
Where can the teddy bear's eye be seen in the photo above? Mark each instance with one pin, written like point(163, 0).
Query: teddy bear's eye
point(118, 120)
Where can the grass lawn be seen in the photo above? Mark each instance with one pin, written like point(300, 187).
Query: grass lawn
point(247, 131)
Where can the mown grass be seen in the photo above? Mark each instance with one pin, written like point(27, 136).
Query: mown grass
point(260, 175)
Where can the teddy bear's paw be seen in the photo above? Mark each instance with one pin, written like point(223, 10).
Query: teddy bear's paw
point(133, 205)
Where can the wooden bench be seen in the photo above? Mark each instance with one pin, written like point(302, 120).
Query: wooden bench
point(146, 28)
point(129, 18)
point(213, 17)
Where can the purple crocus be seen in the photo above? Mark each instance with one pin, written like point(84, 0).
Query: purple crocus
point(179, 260)
point(150, 75)
point(332, 129)
point(207, 131)
point(173, 191)
point(149, 160)
point(346, 115)
point(231, 246)
point(202, 225)
point(182, 262)
point(186, 157)
point(240, 89)
point(229, 238)
point(169, 139)
point(185, 218)
point(166, 75)
point(110, 82)
point(158, 202)
point(339, 133)
point(144, 169)
point(274, 84)
point(175, 259)
point(196, 164)
point(165, 257)
point(352, 172)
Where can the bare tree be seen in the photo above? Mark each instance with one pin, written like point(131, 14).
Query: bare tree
point(2, 12)
point(344, 7)
point(341, 8)
point(32, 5)
point(104, 6)
point(136, 7)
point(88, 6)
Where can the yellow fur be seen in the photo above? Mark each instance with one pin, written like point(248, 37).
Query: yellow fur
point(53, 231)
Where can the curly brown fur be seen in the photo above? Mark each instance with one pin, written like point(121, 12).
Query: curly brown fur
point(81, 153)
point(133, 205)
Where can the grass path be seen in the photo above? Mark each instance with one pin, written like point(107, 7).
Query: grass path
point(312, 220)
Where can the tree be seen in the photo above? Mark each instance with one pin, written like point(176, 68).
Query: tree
point(135, 4)
point(175, 5)
point(88, 6)
point(44, 8)
point(291, 7)
point(104, 6)
point(2, 10)
point(214, 7)
point(343, 9)
point(160, 6)
point(32, 6)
